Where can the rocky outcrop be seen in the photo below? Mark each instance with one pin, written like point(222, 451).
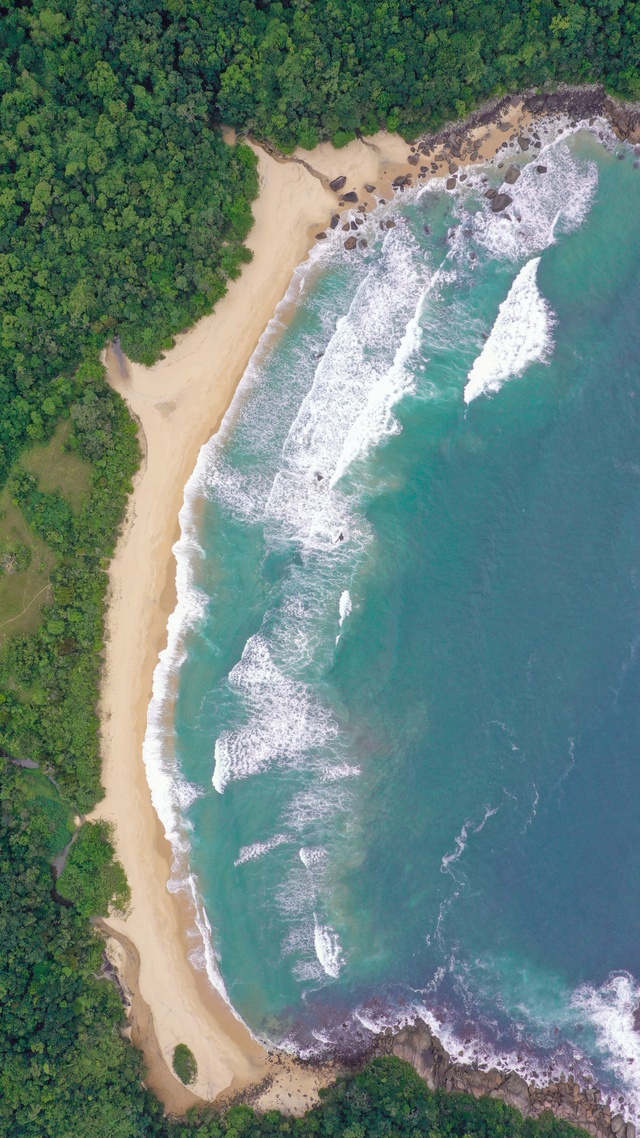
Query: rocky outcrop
point(565, 1099)
point(576, 103)
point(500, 202)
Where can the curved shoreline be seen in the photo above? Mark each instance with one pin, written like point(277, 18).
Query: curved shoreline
point(178, 404)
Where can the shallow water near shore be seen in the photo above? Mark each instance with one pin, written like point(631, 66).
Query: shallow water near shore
point(403, 749)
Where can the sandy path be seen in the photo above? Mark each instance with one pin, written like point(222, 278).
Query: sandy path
point(179, 403)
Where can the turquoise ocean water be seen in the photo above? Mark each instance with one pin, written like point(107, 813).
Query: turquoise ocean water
point(395, 737)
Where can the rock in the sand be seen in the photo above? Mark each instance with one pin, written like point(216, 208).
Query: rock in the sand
point(523, 142)
point(369, 188)
point(413, 159)
point(541, 169)
point(335, 220)
point(505, 126)
point(350, 243)
point(350, 197)
point(617, 1124)
point(500, 202)
point(453, 167)
point(321, 236)
point(338, 183)
point(451, 183)
point(512, 175)
point(401, 180)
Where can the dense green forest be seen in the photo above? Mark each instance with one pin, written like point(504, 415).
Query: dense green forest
point(123, 212)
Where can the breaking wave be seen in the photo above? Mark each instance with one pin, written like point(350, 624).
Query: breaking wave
point(520, 336)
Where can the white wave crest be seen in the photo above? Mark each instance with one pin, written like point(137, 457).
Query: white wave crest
point(328, 950)
point(285, 720)
point(312, 856)
point(347, 410)
point(259, 849)
point(612, 1009)
point(541, 204)
point(520, 336)
point(345, 606)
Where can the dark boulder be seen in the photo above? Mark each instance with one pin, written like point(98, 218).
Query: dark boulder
point(338, 183)
point(362, 243)
point(390, 224)
point(491, 193)
point(536, 104)
point(541, 169)
point(451, 183)
point(350, 243)
point(369, 188)
point(321, 236)
point(500, 202)
point(413, 159)
point(335, 220)
point(523, 142)
point(512, 175)
point(401, 180)
point(350, 197)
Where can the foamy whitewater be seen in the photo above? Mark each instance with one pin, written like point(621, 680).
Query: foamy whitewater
point(394, 735)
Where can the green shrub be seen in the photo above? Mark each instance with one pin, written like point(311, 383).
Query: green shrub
point(92, 879)
point(184, 1064)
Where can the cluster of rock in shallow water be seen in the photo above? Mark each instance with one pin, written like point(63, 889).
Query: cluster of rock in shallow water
point(443, 152)
point(565, 1098)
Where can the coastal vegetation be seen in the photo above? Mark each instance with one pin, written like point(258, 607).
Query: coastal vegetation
point(184, 1064)
point(123, 212)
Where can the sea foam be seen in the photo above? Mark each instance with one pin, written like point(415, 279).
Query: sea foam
point(520, 336)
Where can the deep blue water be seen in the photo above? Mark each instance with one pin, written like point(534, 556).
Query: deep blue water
point(407, 726)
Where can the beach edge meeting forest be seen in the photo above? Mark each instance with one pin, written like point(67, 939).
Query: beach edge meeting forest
point(125, 219)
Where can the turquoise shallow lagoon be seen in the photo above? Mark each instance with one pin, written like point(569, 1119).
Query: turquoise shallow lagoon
point(397, 731)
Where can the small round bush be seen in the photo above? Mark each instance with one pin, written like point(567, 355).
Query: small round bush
point(184, 1064)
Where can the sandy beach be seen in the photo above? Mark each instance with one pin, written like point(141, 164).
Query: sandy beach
point(178, 404)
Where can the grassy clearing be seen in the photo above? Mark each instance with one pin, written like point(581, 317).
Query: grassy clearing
point(25, 559)
point(25, 564)
point(59, 469)
point(40, 791)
